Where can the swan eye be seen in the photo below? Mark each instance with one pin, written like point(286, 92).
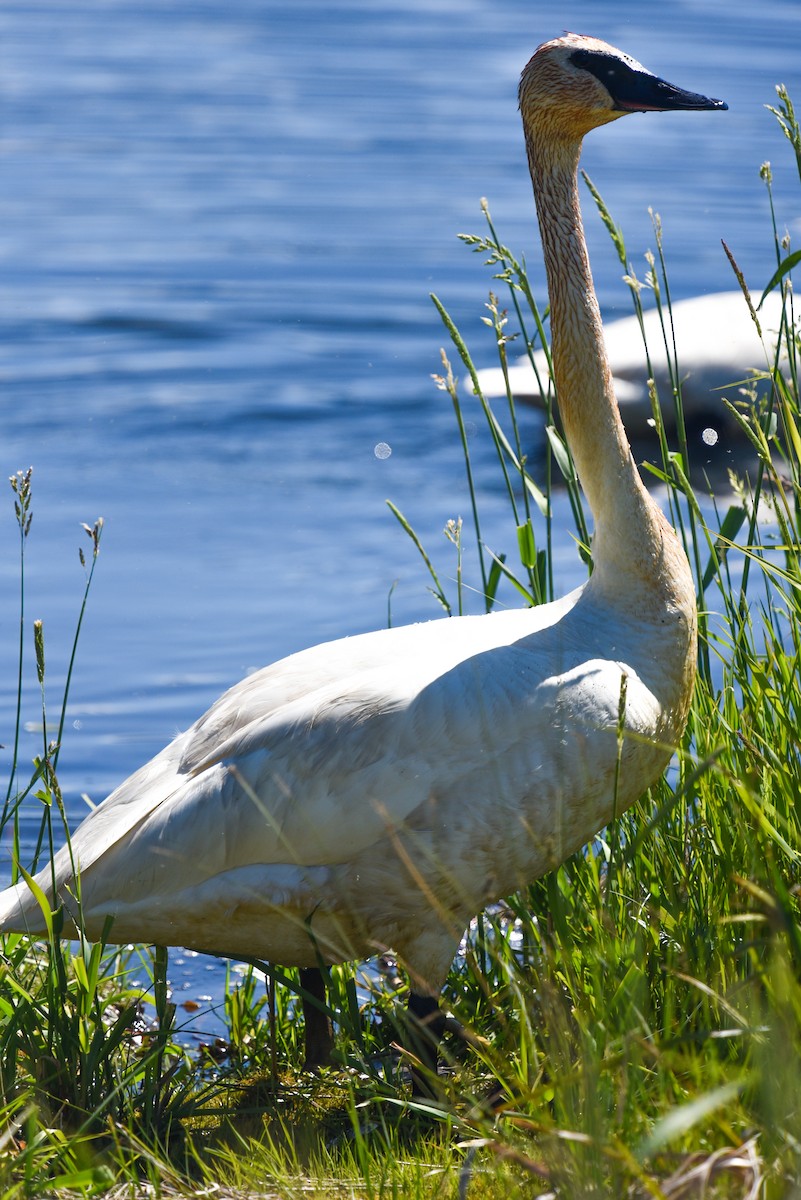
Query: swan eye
point(615, 75)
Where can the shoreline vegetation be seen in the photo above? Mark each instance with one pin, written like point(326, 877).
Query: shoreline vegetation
point(635, 1016)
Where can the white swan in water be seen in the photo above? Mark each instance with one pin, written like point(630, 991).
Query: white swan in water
point(717, 347)
point(379, 790)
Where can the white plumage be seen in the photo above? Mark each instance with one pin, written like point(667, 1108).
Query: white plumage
point(377, 791)
point(271, 825)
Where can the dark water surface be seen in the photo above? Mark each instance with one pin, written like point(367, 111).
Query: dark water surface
point(219, 225)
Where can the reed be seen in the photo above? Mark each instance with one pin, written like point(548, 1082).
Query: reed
point(635, 1015)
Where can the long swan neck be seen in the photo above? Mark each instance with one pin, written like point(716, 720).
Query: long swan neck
point(627, 522)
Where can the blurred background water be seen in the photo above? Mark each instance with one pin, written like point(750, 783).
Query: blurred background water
point(219, 226)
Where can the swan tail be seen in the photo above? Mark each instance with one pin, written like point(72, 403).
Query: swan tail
point(23, 911)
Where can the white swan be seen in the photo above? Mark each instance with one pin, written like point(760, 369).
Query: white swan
point(717, 346)
point(378, 791)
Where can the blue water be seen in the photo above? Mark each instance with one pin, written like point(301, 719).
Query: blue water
point(219, 225)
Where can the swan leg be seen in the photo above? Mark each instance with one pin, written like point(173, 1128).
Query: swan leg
point(426, 1027)
point(319, 1030)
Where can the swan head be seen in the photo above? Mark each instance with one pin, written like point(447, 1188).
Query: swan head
point(575, 83)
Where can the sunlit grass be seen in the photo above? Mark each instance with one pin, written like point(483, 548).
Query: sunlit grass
point(636, 1014)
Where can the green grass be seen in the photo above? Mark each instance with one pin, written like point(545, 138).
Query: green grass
point(642, 1034)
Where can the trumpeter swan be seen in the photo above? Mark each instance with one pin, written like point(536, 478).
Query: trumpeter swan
point(377, 791)
point(717, 347)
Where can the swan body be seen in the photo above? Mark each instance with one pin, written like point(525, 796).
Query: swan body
point(717, 346)
point(377, 791)
point(280, 824)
